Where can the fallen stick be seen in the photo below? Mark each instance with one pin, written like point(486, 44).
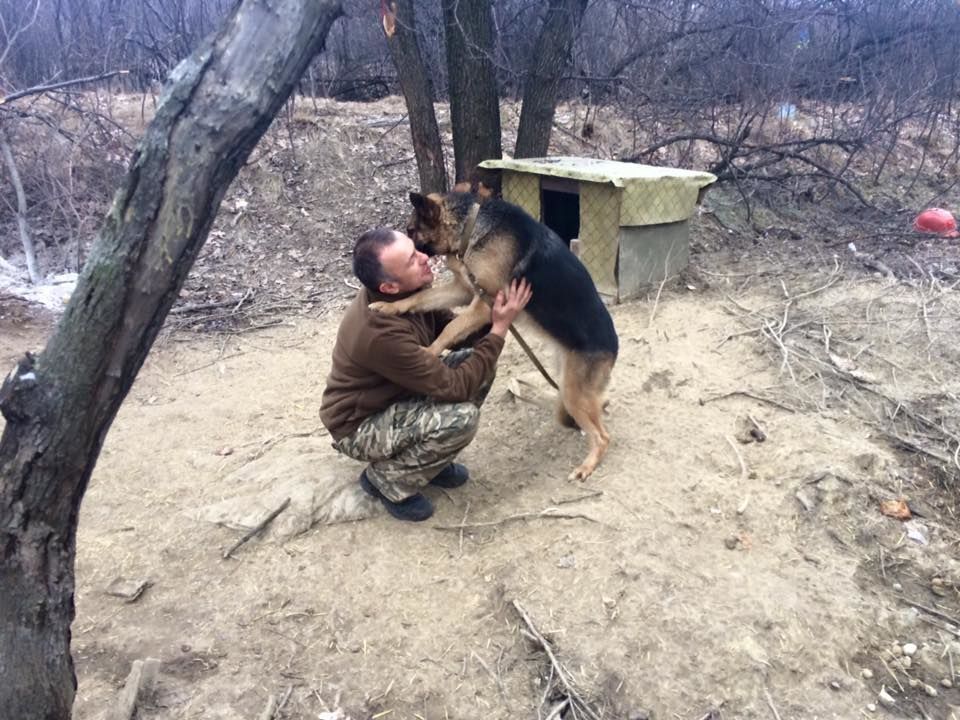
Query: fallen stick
point(142, 675)
point(257, 529)
point(744, 473)
point(773, 708)
point(578, 498)
point(547, 514)
point(930, 610)
point(274, 706)
point(576, 700)
point(745, 393)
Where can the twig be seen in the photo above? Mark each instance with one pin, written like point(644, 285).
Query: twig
point(930, 610)
point(486, 667)
point(209, 364)
point(656, 302)
point(271, 709)
point(184, 309)
point(752, 396)
point(576, 700)
point(756, 424)
point(37, 89)
point(401, 161)
point(557, 709)
point(578, 498)
point(286, 696)
point(545, 514)
point(257, 529)
point(270, 442)
point(743, 465)
point(462, 522)
point(892, 674)
point(773, 708)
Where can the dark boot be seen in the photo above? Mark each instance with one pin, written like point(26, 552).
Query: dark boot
point(452, 476)
point(414, 508)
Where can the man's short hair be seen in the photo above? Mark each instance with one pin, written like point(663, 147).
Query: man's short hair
point(366, 257)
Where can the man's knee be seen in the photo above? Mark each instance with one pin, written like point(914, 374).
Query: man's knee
point(457, 421)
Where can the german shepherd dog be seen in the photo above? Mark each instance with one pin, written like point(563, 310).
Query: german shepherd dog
point(503, 243)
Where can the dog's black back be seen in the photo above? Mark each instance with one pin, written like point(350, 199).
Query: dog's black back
point(565, 301)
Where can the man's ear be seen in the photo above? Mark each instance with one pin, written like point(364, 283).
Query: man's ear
point(388, 287)
point(427, 209)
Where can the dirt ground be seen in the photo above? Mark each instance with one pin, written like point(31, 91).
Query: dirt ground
point(699, 574)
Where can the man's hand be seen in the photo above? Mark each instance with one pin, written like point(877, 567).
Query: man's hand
point(508, 305)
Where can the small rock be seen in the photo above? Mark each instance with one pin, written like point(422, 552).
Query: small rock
point(947, 683)
point(731, 542)
point(885, 698)
point(906, 661)
point(930, 690)
point(834, 685)
point(896, 650)
point(871, 707)
point(866, 673)
point(913, 682)
point(898, 587)
point(909, 649)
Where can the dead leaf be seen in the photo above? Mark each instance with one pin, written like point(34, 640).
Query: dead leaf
point(897, 509)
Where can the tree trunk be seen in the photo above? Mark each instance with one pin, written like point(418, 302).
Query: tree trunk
point(418, 93)
point(474, 103)
point(28, 250)
point(59, 405)
point(551, 57)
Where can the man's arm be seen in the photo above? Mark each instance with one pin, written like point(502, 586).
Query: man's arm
point(403, 361)
point(399, 358)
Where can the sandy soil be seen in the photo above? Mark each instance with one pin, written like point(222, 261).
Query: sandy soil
point(704, 577)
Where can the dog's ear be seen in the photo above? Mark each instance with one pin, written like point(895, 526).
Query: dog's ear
point(428, 209)
point(483, 192)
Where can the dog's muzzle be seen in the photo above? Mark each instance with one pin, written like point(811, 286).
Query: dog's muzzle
point(425, 249)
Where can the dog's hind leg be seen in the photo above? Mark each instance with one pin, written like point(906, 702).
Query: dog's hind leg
point(584, 380)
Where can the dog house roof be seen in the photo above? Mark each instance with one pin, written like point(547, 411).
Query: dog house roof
point(644, 195)
point(620, 174)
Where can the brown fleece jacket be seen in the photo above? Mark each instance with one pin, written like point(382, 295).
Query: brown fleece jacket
point(381, 359)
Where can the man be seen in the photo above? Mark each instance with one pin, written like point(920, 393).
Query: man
point(391, 403)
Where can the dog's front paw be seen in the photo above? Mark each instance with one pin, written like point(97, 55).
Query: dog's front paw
point(436, 349)
point(385, 308)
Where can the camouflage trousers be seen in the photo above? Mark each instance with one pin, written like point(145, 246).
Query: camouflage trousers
point(410, 442)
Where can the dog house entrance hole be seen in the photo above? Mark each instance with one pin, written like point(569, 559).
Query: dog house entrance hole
point(560, 207)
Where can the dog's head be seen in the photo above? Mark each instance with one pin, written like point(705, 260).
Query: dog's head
point(434, 224)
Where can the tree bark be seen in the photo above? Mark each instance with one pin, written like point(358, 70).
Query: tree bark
point(551, 57)
point(418, 93)
point(59, 405)
point(474, 103)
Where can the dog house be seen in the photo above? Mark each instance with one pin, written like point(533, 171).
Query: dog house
point(629, 223)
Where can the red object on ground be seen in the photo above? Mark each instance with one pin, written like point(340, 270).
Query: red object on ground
point(936, 220)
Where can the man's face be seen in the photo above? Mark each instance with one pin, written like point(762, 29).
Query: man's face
point(408, 268)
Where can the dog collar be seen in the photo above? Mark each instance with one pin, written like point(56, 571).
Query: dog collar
point(467, 231)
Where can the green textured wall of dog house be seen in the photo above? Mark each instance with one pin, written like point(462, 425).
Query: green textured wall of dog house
point(634, 219)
